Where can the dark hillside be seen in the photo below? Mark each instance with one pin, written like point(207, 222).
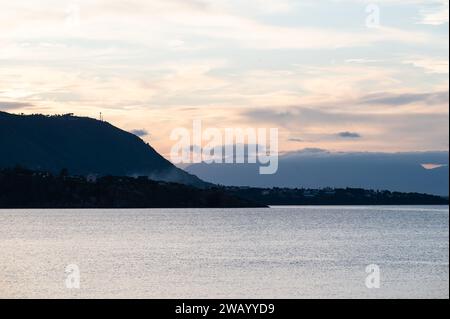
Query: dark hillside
point(83, 146)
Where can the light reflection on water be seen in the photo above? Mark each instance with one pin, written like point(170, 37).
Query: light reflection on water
point(295, 252)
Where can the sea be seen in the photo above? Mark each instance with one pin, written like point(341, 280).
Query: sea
point(370, 252)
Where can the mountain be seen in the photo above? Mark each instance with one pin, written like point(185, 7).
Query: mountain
point(315, 168)
point(82, 146)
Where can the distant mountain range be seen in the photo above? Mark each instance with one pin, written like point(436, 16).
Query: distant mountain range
point(83, 146)
point(421, 172)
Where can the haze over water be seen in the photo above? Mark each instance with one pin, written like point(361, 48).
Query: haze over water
point(296, 252)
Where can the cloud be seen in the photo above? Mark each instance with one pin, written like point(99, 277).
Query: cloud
point(349, 135)
point(5, 105)
point(431, 12)
point(313, 63)
point(431, 65)
point(434, 98)
point(431, 166)
point(237, 152)
point(350, 110)
point(437, 14)
point(306, 152)
point(362, 61)
point(153, 23)
point(140, 132)
point(409, 121)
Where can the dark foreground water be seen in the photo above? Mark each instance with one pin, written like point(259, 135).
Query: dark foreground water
point(298, 252)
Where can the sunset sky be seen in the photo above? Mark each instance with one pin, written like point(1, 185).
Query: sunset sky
point(315, 69)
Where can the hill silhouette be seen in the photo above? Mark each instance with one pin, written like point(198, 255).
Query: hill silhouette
point(82, 146)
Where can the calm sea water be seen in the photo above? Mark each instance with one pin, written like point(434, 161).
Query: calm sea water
point(296, 252)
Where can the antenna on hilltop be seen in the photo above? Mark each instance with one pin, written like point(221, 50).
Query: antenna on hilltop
point(101, 117)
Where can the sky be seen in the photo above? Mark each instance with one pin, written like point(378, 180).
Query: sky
point(342, 75)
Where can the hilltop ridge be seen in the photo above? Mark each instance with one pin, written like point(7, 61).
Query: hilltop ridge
point(83, 146)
